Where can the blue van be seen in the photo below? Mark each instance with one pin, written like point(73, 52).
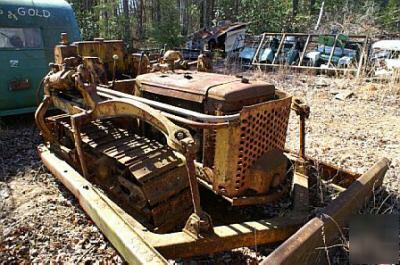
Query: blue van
point(29, 30)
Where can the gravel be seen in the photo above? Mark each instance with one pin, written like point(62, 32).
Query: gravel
point(40, 221)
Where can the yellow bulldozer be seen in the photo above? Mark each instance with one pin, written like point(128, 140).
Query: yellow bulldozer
point(179, 162)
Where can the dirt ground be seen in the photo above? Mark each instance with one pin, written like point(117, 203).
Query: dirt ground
point(352, 124)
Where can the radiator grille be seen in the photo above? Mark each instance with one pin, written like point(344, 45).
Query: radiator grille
point(262, 128)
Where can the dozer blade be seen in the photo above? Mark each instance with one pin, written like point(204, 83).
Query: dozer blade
point(130, 245)
point(139, 245)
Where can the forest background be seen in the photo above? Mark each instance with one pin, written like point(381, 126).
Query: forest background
point(153, 23)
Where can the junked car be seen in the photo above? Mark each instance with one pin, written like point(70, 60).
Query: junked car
point(288, 54)
point(343, 55)
point(385, 57)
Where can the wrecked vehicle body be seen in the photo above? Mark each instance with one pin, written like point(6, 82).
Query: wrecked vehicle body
point(335, 50)
point(227, 36)
point(289, 51)
point(334, 53)
point(27, 30)
point(289, 54)
point(179, 163)
point(385, 58)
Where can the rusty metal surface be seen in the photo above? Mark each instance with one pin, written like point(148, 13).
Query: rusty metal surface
point(301, 248)
point(168, 108)
point(171, 245)
point(113, 59)
point(104, 49)
point(300, 192)
point(64, 84)
point(147, 165)
point(63, 51)
point(206, 36)
point(303, 111)
point(16, 85)
point(157, 184)
point(204, 63)
point(228, 237)
point(197, 86)
point(71, 86)
point(262, 128)
point(262, 125)
point(127, 241)
point(334, 174)
point(327, 171)
point(174, 245)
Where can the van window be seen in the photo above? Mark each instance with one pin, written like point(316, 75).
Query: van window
point(26, 38)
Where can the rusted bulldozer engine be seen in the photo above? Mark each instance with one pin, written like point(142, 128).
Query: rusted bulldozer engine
point(137, 144)
point(240, 154)
point(108, 59)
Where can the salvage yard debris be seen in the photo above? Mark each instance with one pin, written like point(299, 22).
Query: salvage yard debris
point(227, 36)
point(331, 52)
point(385, 58)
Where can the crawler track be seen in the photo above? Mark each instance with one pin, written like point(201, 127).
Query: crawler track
point(145, 177)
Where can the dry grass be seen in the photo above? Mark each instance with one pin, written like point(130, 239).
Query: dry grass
point(353, 133)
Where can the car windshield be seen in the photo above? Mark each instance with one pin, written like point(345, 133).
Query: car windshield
point(20, 38)
point(289, 45)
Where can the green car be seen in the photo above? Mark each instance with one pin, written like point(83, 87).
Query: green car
point(29, 30)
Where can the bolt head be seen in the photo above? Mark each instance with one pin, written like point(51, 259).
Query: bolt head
point(180, 135)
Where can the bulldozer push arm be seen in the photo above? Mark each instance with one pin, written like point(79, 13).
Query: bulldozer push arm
point(178, 138)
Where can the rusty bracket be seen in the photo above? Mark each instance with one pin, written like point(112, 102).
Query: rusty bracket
point(303, 111)
point(199, 222)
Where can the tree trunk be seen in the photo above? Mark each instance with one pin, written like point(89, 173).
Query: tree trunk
point(236, 10)
point(202, 15)
point(211, 13)
point(312, 7)
point(295, 4)
point(140, 19)
point(127, 33)
point(104, 18)
point(205, 13)
point(183, 16)
point(158, 11)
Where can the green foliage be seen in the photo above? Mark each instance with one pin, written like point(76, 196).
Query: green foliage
point(224, 11)
point(90, 30)
point(87, 20)
point(161, 23)
point(168, 31)
point(265, 15)
point(110, 26)
point(390, 18)
point(194, 13)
